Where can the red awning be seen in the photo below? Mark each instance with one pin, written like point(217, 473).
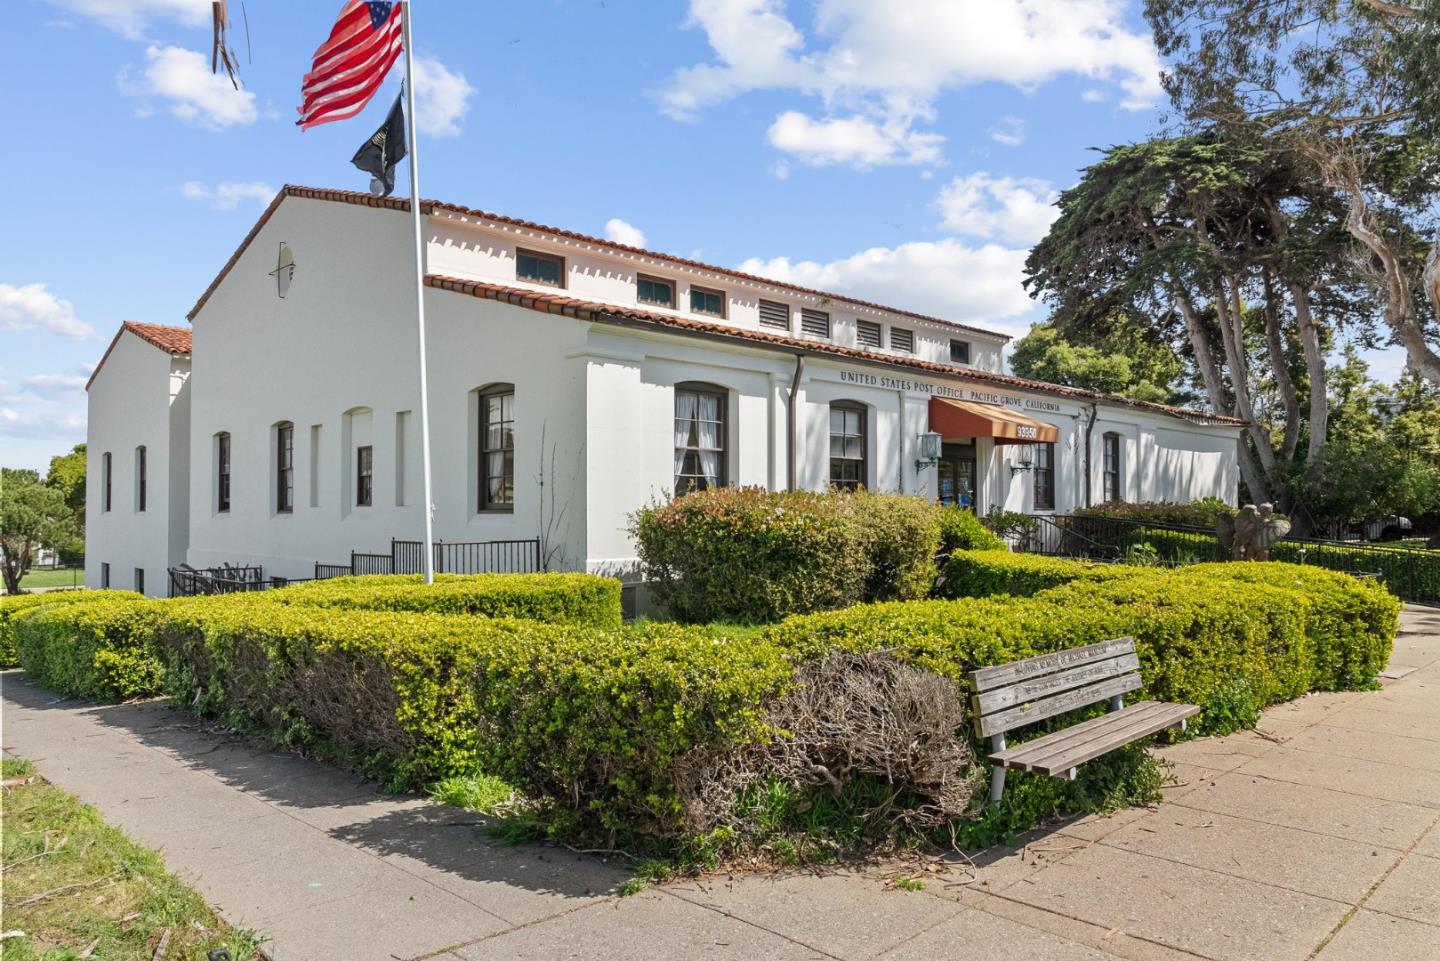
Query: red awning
point(959, 418)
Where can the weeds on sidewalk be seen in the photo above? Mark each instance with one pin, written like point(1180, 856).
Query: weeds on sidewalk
point(77, 888)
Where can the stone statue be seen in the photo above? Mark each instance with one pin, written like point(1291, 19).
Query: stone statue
point(1250, 533)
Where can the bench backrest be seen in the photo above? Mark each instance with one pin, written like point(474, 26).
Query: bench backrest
point(1012, 695)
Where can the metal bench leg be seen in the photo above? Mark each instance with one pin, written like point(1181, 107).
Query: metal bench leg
point(1117, 703)
point(997, 773)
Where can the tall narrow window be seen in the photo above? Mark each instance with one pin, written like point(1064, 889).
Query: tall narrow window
point(139, 580)
point(364, 475)
point(140, 478)
point(1111, 446)
point(699, 437)
point(497, 448)
point(848, 447)
point(105, 573)
point(222, 473)
point(1044, 477)
point(108, 476)
point(284, 467)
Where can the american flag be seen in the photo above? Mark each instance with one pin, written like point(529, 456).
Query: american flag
point(349, 66)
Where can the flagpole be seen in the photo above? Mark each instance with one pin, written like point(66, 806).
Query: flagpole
point(414, 150)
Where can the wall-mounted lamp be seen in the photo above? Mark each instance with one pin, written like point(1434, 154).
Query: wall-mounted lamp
point(928, 446)
point(1024, 459)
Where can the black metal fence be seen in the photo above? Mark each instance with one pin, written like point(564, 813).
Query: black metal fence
point(450, 557)
point(186, 581)
point(1411, 574)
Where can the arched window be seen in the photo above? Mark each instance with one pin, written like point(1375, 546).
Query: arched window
point(497, 448)
point(284, 467)
point(699, 437)
point(140, 466)
point(222, 472)
point(849, 445)
point(1110, 444)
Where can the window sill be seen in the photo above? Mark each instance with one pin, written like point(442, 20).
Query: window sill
point(495, 510)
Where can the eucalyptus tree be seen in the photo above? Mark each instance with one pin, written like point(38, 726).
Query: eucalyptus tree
point(1354, 87)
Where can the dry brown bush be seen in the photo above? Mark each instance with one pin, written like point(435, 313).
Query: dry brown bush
point(849, 716)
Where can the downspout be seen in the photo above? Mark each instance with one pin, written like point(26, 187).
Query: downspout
point(1089, 435)
point(791, 471)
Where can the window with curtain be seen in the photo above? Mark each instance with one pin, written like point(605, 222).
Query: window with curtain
point(1111, 445)
point(284, 467)
point(1044, 471)
point(497, 448)
point(222, 473)
point(848, 447)
point(699, 437)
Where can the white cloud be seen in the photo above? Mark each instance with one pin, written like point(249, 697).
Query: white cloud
point(890, 62)
point(442, 98)
point(183, 78)
point(51, 384)
point(1013, 209)
point(1010, 131)
point(130, 17)
point(32, 307)
point(623, 233)
point(228, 195)
point(1094, 95)
point(50, 425)
point(854, 141)
point(943, 278)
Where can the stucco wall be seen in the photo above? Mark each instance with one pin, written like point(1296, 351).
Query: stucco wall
point(141, 396)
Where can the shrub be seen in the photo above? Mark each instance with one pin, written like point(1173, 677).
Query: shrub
point(551, 598)
point(983, 573)
point(591, 719)
point(961, 530)
point(12, 604)
point(1201, 513)
point(746, 555)
point(1410, 574)
point(96, 648)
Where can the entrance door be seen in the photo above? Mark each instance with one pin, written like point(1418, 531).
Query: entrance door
point(957, 475)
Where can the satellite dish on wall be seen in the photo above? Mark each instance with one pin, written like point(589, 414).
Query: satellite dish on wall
point(284, 270)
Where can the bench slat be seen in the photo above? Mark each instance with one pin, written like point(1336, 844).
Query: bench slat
point(1017, 755)
point(999, 675)
point(1011, 718)
point(1115, 730)
point(1051, 684)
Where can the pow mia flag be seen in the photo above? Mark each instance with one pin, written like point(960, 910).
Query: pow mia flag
point(385, 148)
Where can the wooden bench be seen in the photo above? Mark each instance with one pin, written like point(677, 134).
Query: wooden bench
point(1010, 696)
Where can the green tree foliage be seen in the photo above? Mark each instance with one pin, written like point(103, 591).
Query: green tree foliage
point(32, 515)
point(1353, 86)
point(67, 475)
point(1137, 369)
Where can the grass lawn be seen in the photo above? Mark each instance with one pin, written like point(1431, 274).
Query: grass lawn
point(63, 577)
point(78, 888)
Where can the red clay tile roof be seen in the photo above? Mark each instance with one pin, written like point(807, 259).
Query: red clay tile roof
point(609, 313)
point(172, 340)
point(431, 206)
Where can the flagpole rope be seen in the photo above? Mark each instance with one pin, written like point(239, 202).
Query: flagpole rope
point(414, 151)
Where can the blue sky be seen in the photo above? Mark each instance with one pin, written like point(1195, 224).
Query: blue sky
point(903, 151)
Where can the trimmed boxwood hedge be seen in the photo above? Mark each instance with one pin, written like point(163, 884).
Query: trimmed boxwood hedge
point(961, 530)
point(984, 573)
point(100, 648)
point(13, 604)
point(550, 598)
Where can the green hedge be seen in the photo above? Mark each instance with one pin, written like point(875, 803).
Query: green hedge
point(100, 648)
point(1202, 513)
point(592, 719)
point(551, 598)
point(984, 573)
point(1409, 573)
point(747, 555)
point(12, 604)
point(961, 530)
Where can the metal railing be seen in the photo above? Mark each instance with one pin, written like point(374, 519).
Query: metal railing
point(186, 581)
point(1411, 574)
point(468, 557)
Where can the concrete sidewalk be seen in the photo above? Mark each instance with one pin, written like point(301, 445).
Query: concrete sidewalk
point(1314, 837)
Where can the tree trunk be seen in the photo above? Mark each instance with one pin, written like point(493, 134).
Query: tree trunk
point(1244, 407)
point(1280, 364)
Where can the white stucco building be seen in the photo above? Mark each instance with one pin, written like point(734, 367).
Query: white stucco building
point(572, 380)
